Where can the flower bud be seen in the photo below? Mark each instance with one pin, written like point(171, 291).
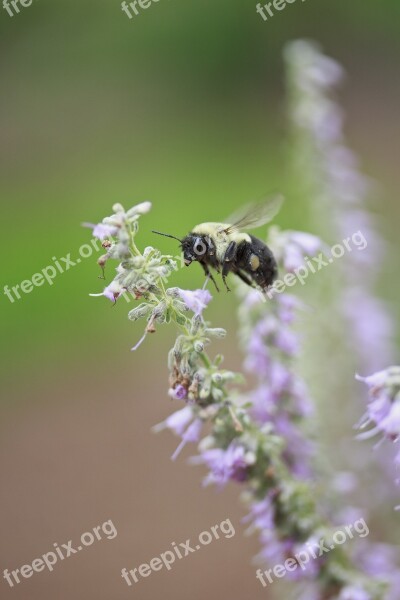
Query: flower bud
point(217, 394)
point(204, 393)
point(139, 209)
point(102, 260)
point(180, 319)
point(151, 328)
point(147, 251)
point(174, 292)
point(139, 312)
point(217, 332)
point(159, 310)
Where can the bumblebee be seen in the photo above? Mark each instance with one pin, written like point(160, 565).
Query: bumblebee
point(228, 249)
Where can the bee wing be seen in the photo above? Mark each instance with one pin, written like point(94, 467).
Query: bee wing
point(255, 215)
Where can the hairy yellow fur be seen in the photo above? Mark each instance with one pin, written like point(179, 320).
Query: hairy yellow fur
point(221, 240)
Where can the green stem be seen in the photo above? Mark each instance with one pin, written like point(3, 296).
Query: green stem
point(204, 357)
point(135, 249)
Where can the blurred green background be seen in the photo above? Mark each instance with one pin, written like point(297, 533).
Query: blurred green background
point(184, 105)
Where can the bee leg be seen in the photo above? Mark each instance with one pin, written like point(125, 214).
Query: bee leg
point(213, 280)
point(244, 278)
point(209, 275)
point(229, 257)
point(228, 289)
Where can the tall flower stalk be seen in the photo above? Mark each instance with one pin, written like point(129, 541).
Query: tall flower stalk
point(338, 195)
point(253, 440)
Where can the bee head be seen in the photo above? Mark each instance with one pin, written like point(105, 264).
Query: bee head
point(194, 247)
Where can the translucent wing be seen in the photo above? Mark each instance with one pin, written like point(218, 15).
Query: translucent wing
point(255, 215)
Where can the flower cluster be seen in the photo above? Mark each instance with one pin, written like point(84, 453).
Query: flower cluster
point(254, 439)
point(338, 192)
point(141, 275)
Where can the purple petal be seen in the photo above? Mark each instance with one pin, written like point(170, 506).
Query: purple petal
point(179, 420)
point(196, 300)
point(310, 244)
point(377, 380)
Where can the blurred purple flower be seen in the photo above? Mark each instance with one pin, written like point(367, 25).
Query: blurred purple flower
point(308, 243)
point(264, 403)
point(294, 258)
point(258, 355)
point(287, 307)
point(380, 561)
point(184, 424)
point(292, 248)
point(191, 435)
point(354, 592)
point(302, 402)
point(287, 341)
point(383, 409)
point(298, 451)
point(370, 320)
point(177, 421)
point(225, 465)
point(279, 377)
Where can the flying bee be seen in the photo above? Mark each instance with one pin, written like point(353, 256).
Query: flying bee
point(228, 249)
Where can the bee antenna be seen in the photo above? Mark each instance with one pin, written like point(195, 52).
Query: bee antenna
point(166, 235)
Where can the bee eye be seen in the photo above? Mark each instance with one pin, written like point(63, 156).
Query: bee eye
point(200, 247)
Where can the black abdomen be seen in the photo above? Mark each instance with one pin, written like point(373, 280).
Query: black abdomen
point(256, 260)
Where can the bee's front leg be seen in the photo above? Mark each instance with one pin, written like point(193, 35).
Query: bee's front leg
point(228, 264)
point(209, 275)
